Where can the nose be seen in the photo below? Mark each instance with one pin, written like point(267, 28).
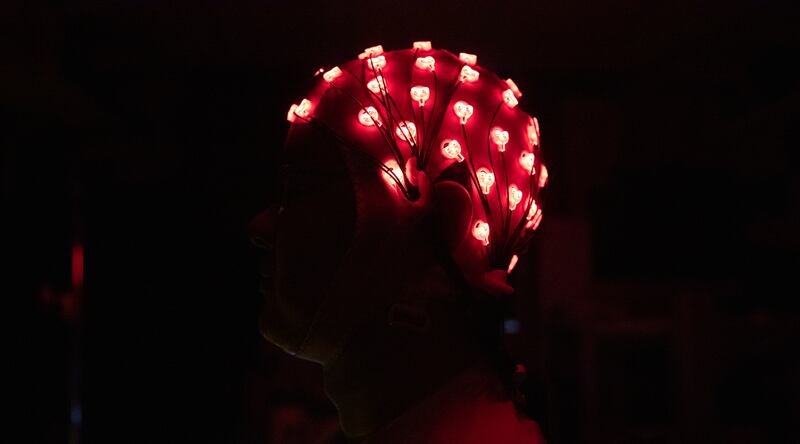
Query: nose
point(262, 228)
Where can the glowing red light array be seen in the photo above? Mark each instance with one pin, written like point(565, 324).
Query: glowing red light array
point(440, 111)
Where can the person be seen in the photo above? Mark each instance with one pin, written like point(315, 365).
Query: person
point(384, 275)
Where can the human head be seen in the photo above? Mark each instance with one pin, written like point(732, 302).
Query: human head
point(410, 174)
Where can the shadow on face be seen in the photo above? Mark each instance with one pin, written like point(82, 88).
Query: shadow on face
point(305, 236)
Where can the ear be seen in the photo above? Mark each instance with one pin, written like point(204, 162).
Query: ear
point(455, 211)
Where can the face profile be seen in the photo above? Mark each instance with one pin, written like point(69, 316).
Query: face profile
point(306, 234)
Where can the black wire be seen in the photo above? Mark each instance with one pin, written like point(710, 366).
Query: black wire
point(491, 163)
point(479, 190)
point(358, 102)
point(316, 123)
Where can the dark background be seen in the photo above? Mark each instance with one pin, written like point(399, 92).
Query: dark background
point(662, 305)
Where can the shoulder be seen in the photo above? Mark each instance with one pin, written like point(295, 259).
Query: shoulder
point(471, 409)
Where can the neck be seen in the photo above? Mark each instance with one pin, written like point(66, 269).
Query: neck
point(472, 408)
point(382, 374)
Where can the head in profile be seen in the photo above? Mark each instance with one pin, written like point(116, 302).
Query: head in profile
point(411, 186)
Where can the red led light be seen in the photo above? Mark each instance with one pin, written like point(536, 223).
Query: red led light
point(534, 220)
point(543, 177)
point(468, 74)
point(392, 165)
point(533, 132)
point(423, 45)
point(513, 87)
point(377, 85)
point(451, 149)
point(463, 110)
point(500, 138)
point(469, 59)
point(372, 51)
point(527, 159)
point(332, 74)
point(406, 131)
point(512, 263)
point(480, 230)
point(534, 216)
point(427, 63)
point(514, 197)
point(290, 116)
point(303, 110)
point(420, 94)
point(369, 117)
point(510, 98)
point(376, 63)
point(485, 179)
point(532, 210)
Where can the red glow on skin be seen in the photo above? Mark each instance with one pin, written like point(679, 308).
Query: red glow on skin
point(481, 232)
point(427, 63)
point(420, 94)
point(486, 179)
point(468, 74)
point(514, 197)
point(510, 98)
point(451, 149)
point(423, 45)
point(527, 159)
point(500, 138)
point(463, 110)
point(469, 59)
point(77, 266)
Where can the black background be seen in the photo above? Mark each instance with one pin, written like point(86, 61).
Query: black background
point(667, 304)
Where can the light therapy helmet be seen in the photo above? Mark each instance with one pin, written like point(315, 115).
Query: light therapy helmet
point(426, 114)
